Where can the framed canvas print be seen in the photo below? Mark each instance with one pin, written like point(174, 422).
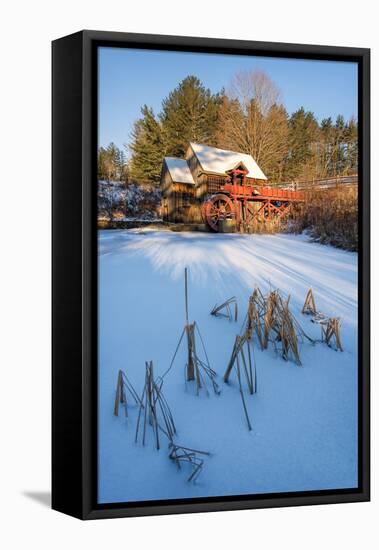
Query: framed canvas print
point(210, 275)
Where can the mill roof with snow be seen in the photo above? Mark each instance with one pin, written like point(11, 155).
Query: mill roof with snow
point(179, 170)
point(220, 161)
point(210, 160)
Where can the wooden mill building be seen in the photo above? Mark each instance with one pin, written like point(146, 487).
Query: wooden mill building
point(187, 183)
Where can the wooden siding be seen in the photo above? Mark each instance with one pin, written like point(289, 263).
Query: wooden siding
point(179, 202)
point(193, 164)
point(166, 181)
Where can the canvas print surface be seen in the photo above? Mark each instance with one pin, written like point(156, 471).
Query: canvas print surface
point(227, 275)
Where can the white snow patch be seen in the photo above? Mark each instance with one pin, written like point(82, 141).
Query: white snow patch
point(304, 418)
point(179, 170)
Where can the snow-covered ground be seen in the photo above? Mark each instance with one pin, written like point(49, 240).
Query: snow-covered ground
point(136, 202)
point(304, 419)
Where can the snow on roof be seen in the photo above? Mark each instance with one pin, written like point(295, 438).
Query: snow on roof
point(220, 161)
point(179, 170)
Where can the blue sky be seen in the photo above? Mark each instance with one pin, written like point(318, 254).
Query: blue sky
point(129, 78)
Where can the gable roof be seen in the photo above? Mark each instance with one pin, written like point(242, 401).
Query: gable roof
point(219, 161)
point(239, 166)
point(179, 170)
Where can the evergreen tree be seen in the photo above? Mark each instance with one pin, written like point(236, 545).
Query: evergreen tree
point(122, 167)
point(189, 113)
point(303, 137)
point(101, 164)
point(339, 145)
point(352, 146)
point(325, 155)
point(148, 148)
point(326, 127)
point(111, 163)
point(276, 143)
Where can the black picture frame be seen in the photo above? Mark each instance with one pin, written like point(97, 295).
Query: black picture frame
point(74, 273)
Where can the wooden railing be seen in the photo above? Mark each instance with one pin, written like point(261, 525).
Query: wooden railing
point(324, 183)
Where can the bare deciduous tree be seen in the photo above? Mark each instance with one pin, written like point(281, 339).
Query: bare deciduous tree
point(252, 120)
point(254, 85)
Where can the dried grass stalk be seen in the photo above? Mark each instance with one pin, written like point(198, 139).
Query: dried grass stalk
point(180, 455)
point(241, 357)
point(197, 368)
point(331, 332)
point(309, 307)
point(123, 387)
point(154, 409)
point(270, 319)
point(225, 309)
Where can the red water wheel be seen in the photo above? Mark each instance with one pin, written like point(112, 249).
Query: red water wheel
point(217, 208)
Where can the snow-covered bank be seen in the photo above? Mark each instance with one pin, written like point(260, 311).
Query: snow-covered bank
point(118, 201)
point(304, 418)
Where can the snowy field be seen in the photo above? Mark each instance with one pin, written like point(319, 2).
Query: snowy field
point(304, 419)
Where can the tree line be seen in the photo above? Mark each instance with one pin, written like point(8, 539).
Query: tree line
point(111, 164)
point(247, 117)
